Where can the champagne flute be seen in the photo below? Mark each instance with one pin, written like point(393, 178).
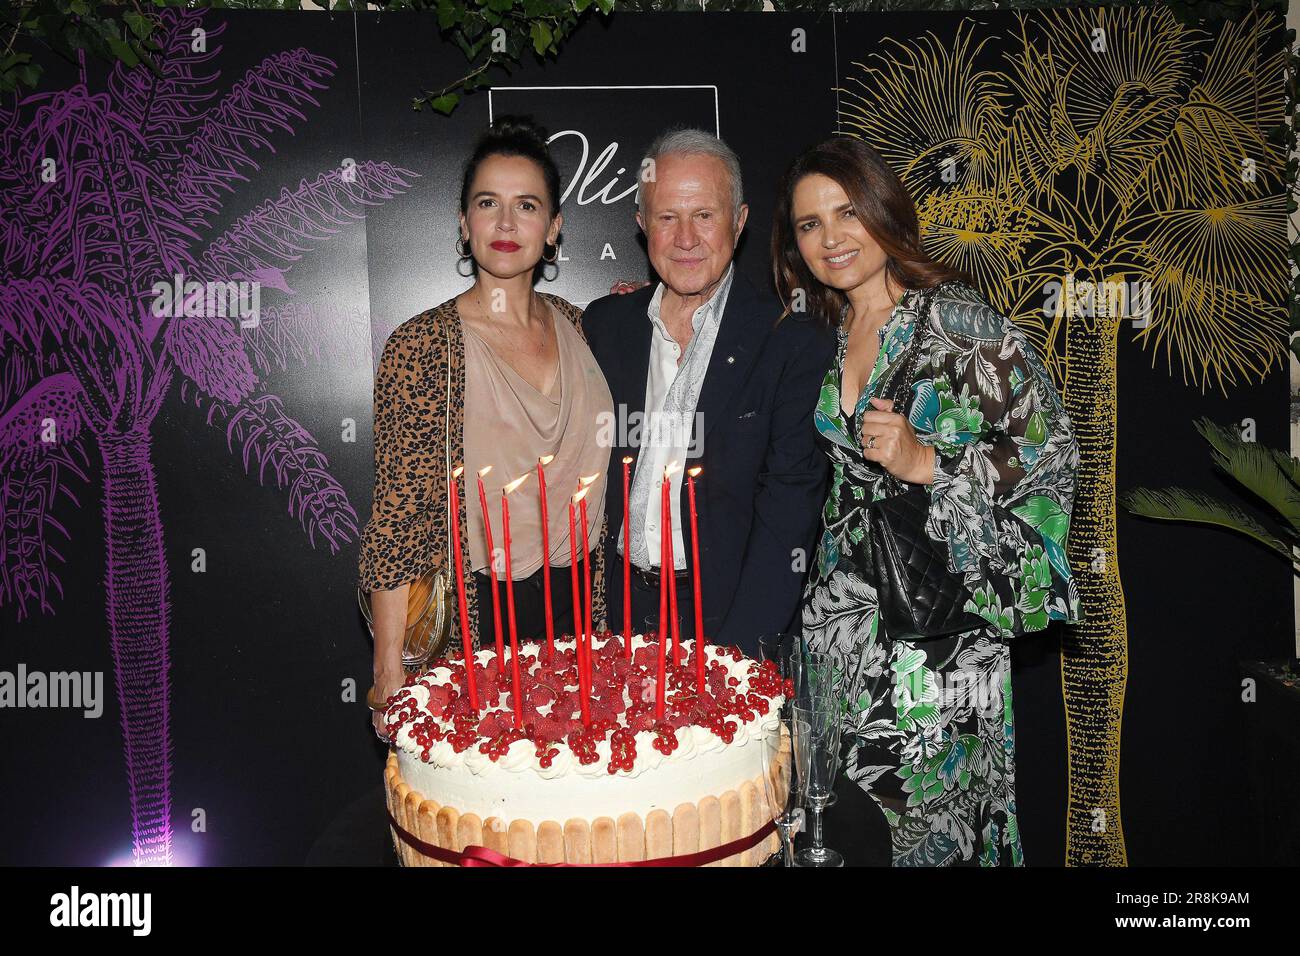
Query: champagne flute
point(784, 779)
point(822, 745)
point(812, 674)
point(818, 674)
point(821, 678)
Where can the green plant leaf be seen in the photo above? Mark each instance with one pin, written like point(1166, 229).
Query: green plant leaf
point(1254, 467)
point(123, 51)
point(541, 36)
point(141, 26)
point(1180, 504)
point(1288, 465)
point(446, 103)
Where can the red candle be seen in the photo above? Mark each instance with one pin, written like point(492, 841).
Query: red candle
point(492, 563)
point(577, 611)
point(627, 560)
point(586, 599)
point(670, 568)
point(588, 630)
point(579, 618)
point(515, 684)
point(663, 600)
point(586, 588)
point(546, 557)
point(467, 645)
point(695, 567)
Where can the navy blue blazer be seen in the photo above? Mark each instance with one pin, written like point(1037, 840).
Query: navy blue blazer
point(760, 496)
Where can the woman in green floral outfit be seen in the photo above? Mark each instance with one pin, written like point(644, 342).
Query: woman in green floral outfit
point(928, 724)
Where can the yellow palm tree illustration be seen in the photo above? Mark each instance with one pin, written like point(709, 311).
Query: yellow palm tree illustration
point(1096, 154)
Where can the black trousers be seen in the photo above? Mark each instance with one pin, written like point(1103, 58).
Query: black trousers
point(530, 606)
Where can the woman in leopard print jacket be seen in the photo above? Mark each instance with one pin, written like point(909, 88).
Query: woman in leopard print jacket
point(495, 380)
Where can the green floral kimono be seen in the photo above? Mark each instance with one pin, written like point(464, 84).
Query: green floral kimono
point(928, 724)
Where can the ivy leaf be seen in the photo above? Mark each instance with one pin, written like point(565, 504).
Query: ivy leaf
point(140, 26)
point(123, 52)
point(541, 36)
point(446, 103)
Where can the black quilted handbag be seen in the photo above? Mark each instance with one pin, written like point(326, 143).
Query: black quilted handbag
point(919, 597)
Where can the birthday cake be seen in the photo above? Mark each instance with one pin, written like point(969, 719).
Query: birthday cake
point(592, 767)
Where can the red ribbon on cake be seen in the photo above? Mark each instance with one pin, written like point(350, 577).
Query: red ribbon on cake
point(481, 856)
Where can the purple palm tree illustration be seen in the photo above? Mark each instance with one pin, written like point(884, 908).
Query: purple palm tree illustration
point(104, 195)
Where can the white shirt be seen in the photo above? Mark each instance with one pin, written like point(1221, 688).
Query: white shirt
point(672, 392)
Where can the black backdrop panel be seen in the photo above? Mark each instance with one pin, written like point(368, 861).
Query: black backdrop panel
point(264, 640)
point(739, 73)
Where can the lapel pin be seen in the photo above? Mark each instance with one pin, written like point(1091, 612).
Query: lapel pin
point(731, 360)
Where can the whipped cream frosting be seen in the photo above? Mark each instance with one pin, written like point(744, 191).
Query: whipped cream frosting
point(516, 785)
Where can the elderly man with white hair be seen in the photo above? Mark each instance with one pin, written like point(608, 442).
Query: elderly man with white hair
point(706, 370)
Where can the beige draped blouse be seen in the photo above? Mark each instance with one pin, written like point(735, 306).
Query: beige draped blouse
point(509, 424)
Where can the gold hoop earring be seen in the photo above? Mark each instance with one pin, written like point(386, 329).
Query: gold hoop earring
point(462, 249)
point(554, 257)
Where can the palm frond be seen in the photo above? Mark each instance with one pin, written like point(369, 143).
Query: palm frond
point(264, 436)
point(29, 495)
point(1180, 504)
point(1254, 467)
point(1288, 465)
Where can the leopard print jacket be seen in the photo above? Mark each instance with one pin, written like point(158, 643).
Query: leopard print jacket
point(408, 531)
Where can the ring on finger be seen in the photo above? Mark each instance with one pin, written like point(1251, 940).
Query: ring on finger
point(871, 441)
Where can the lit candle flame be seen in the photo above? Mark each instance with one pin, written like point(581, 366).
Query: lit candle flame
point(695, 472)
point(482, 472)
point(673, 468)
point(584, 482)
point(545, 460)
point(580, 495)
point(627, 459)
point(456, 472)
point(515, 484)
